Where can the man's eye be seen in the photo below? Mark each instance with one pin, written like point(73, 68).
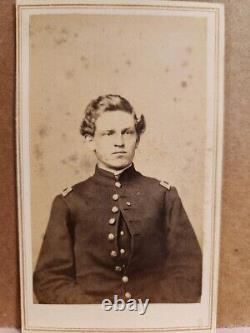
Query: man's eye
point(107, 133)
point(129, 132)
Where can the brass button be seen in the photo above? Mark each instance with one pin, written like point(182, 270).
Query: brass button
point(122, 233)
point(127, 294)
point(118, 184)
point(115, 209)
point(128, 203)
point(124, 279)
point(118, 268)
point(115, 196)
point(111, 236)
point(112, 220)
point(122, 251)
point(113, 253)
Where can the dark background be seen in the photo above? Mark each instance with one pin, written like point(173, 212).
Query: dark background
point(234, 300)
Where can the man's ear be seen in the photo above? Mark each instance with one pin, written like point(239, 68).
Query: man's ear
point(137, 141)
point(89, 139)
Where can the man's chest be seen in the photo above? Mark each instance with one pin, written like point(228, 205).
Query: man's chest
point(97, 211)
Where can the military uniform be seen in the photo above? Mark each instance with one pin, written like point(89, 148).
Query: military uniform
point(125, 235)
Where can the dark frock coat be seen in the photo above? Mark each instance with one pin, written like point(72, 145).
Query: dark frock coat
point(128, 237)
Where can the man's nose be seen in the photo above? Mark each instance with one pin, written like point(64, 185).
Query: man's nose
point(119, 141)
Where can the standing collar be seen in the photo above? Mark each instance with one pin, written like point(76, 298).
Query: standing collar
point(126, 174)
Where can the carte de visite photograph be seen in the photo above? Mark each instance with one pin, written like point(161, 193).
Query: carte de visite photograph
point(119, 127)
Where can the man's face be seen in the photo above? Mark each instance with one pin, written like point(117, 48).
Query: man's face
point(115, 139)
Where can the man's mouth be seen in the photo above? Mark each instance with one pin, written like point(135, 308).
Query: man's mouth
point(119, 152)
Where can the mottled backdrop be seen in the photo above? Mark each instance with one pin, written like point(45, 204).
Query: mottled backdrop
point(234, 303)
point(157, 63)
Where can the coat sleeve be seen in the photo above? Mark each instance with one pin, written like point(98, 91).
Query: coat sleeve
point(183, 270)
point(54, 279)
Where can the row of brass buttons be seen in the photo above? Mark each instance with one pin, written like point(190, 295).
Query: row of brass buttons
point(115, 209)
point(111, 237)
point(113, 253)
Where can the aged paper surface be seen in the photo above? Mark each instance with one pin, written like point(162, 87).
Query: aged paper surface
point(167, 60)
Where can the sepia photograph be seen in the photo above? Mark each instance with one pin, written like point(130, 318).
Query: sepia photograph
point(102, 230)
point(119, 124)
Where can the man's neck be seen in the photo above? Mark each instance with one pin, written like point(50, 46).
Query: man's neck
point(115, 172)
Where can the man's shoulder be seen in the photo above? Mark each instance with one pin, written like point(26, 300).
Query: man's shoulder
point(157, 184)
point(159, 189)
point(76, 188)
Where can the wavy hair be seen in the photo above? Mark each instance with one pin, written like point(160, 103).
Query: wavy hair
point(108, 103)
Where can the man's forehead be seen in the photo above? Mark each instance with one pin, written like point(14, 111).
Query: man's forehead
point(115, 120)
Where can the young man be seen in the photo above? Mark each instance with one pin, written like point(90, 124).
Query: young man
point(118, 232)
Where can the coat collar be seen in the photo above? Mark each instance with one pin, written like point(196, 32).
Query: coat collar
point(108, 177)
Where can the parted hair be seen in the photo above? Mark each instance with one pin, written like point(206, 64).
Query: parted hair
point(108, 103)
